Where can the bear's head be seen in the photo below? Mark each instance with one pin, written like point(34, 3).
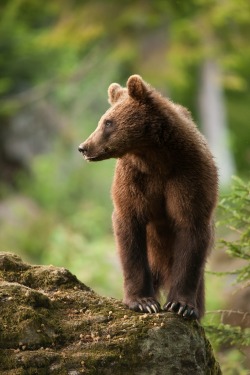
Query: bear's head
point(125, 126)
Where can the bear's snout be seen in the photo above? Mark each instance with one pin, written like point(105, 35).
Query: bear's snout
point(83, 148)
point(88, 152)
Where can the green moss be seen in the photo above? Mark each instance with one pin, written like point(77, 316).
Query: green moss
point(53, 324)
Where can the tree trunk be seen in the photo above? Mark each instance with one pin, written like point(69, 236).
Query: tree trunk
point(51, 323)
point(213, 119)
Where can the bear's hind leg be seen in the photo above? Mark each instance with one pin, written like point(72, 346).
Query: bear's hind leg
point(200, 297)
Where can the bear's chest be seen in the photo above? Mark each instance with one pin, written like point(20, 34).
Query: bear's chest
point(140, 190)
point(148, 194)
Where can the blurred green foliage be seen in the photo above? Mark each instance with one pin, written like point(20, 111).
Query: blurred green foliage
point(44, 47)
point(235, 215)
point(66, 53)
point(236, 207)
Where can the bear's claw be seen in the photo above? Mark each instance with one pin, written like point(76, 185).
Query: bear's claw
point(181, 309)
point(145, 305)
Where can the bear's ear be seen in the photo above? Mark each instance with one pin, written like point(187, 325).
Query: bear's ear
point(137, 88)
point(115, 91)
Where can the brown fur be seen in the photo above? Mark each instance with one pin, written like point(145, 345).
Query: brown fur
point(164, 194)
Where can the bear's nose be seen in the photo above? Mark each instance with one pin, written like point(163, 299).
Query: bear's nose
point(82, 148)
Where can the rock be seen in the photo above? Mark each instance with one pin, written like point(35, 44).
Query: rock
point(51, 323)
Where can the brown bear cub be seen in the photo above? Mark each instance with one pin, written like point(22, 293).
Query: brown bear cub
point(164, 194)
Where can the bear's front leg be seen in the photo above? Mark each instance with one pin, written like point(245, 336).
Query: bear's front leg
point(138, 286)
point(186, 295)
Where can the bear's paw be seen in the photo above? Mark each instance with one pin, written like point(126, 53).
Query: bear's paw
point(145, 305)
point(182, 309)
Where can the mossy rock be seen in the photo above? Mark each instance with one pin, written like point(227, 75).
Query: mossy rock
point(51, 323)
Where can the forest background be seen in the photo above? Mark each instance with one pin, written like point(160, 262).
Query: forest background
point(57, 59)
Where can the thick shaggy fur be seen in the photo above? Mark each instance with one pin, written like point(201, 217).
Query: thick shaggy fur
point(164, 194)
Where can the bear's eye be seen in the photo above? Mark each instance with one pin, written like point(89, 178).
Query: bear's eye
point(108, 123)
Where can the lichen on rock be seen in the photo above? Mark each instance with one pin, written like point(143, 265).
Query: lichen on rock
point(51, 323)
